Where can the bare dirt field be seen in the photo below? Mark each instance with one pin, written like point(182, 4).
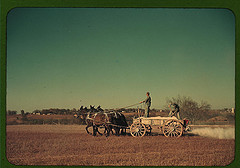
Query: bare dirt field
point(71, 145)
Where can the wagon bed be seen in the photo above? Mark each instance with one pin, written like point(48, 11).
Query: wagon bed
point(154, 121)
point(169, 126)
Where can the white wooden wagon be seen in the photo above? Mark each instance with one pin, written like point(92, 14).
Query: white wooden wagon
point(169, 126)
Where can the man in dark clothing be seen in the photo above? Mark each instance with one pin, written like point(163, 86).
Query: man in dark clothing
point(174, 110)
point(147, 102)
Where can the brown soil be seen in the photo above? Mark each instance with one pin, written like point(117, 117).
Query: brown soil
point(70, 145)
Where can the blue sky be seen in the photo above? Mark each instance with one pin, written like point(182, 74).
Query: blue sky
point(68, 57)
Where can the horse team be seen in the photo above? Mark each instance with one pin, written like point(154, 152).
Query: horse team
point(98, 119)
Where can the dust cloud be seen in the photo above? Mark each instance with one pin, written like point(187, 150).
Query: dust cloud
point(219, 133)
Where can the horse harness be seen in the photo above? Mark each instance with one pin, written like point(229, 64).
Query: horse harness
point(89, 117)
point(107, 121)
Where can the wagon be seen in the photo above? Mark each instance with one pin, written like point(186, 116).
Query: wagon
point(169, 126)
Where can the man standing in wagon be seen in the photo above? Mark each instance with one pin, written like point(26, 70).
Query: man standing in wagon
point(147, 102)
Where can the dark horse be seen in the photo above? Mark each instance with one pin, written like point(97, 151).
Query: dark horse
point(118, 122)
point(97, 119)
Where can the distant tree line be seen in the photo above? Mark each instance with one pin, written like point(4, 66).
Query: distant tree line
point(58, 111)
point(10, 112)
point(55, 111)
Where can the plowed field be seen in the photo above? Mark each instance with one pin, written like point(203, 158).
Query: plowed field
point(70, 145)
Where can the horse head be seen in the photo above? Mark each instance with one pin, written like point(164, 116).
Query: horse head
point(92, 109)
point(81, 108)
point(81, 115)
point(99, 108)
point(85, 109)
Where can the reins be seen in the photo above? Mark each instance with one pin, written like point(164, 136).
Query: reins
point(128, 106)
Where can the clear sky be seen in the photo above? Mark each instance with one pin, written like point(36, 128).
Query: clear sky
point(68, 57)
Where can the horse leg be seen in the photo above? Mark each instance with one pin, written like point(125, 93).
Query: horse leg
point(89, 124)
point(94, 130)
point(99, 131)
point(123, 131)
point(107, 128)
point(117, 130)
point(111, 129)
point(87, 130)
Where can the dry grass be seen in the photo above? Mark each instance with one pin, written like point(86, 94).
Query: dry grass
point(70, 145)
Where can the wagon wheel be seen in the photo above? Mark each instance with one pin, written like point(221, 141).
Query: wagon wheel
point(149, 129)
point(172, 128)
point(138, 129)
